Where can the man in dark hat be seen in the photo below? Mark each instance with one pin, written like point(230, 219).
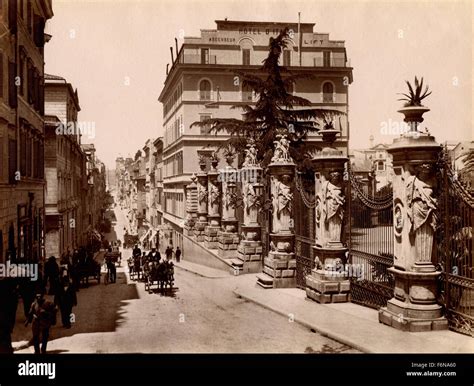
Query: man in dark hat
point(65, 299)
point(42, 316)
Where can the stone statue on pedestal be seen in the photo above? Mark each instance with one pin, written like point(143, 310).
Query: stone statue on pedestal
point(250, 156)
point(333, 208)
point(250, 197)
point(422, 207)
point(282, 200)
point(282, 150)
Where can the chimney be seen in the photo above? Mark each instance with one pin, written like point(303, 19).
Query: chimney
point(167, 68)
point(172, 56)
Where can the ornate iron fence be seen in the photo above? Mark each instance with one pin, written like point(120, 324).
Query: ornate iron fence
point(370, 244)
point(304, 204)
point(455, 250)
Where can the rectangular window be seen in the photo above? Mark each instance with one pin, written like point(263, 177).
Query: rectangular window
point(246, 94)
point(287, 58)
point(29, 14)
point(22, 154)
point(207, 128)
point(38, 31)
point(246, 57)
point(1, 74)
point(28, 156)
point(204, 55)
point(12, 161)
point(2, 163)
point(12, 91)
point(13, 15)
point(327, 58)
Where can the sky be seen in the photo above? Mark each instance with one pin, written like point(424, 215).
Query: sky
point(115, 53)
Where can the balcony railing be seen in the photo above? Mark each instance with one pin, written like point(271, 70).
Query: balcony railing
point(197, 59)
point(333, 62)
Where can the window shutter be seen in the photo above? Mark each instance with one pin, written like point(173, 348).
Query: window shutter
point(38, 31)
point(12, 92)
point(13, 16)
point(1, 75)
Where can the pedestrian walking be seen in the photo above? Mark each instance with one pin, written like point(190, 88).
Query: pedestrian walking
point(8, 306)
point(157, 256)
point(66, 299)
point(169, 252)
point(178, 254)
point(42, 316)
point(51, 273)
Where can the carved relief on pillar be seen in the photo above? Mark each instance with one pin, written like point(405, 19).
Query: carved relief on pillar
point(330, 201)
point(282, 198)
point(214, 197)
point(422, 207)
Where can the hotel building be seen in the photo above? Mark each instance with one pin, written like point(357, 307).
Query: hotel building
point(202, 83)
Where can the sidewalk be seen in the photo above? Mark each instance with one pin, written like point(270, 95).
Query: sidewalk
point(201, 270)
point(349, 323)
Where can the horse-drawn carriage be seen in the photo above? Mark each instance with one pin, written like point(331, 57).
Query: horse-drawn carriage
point(88, 268)
point(159, 273)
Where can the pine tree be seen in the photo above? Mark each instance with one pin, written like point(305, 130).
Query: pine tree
point(276, 110)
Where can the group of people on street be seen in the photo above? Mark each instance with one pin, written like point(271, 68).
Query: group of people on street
point(59, 282)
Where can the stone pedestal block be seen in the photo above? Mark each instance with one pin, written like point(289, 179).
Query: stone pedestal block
point(327, 287)
point(414, 307)
point(228, 243)
point(210, 237)
point(328, 284)
point(281, 266)
point(250, 254)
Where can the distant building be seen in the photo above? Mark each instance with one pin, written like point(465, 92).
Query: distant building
point(378, 161)
point(202, 84)
point(96, 197)
point(463, 166)
point(65, 167)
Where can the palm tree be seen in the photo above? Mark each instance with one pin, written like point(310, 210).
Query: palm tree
point(275, 111)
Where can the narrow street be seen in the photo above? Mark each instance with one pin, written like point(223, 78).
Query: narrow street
point(202, 316)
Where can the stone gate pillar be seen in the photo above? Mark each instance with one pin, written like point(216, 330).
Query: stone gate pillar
point(249, 251)
point(213, 205)
point(280, 265)
point(328, 282)
point(191, 206)
point(202, 197)
point(415, 207)
point(228, 237)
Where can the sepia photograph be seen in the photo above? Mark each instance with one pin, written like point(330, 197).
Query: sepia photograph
point(237, 177)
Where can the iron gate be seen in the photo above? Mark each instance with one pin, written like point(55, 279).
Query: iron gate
point(304, 204)
point(455, 250)
point(370, 243)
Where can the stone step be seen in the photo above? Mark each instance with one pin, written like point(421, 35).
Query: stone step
point(264, 280)
point(237, 263)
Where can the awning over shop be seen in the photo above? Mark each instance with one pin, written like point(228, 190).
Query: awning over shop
point(145, 235)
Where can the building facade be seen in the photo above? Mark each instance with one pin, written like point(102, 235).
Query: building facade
point(65, 169)
point(22, 181)
point(95, 199)
point(202, 84)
